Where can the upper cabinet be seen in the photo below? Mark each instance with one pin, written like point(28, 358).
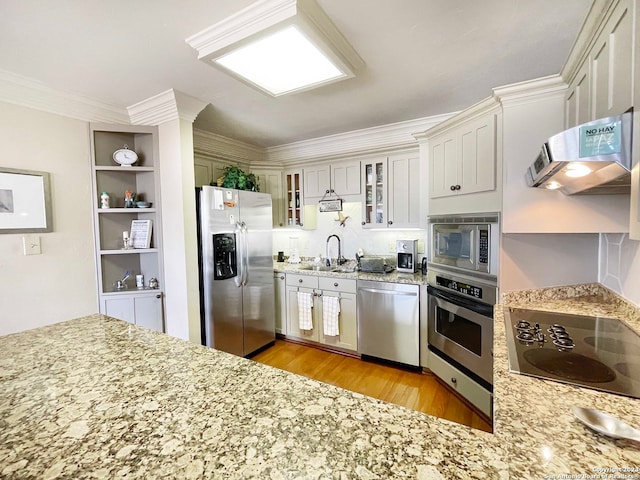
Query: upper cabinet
point(297, 214)
point(463, 160)
point(601, 84)
point(121, 219)
point(270, 181)
point(390, 197)
point(343, 178)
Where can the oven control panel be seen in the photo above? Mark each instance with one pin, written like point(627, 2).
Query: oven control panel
point(461, 287)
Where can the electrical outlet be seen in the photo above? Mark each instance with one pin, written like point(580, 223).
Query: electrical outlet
point(391, 247)
point(31, 245)
point(420, 246)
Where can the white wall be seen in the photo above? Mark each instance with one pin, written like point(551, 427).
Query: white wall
point(546, 260)
point(620, 265)
point(59, 284)
point(352, 236)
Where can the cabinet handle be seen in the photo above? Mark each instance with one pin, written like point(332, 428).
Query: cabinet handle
point(335, 284)
point(454, 380)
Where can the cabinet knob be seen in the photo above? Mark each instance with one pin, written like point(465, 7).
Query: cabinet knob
point(454, 380)
point(452, 188)
point(364, 223)
point(335, 284)
point(281, 277)
point(300, 280)
point(457, 187)
point(390, 222)
point(158, 296)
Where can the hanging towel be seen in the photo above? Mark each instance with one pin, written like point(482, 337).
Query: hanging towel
point(330, 312)
point(305, 304)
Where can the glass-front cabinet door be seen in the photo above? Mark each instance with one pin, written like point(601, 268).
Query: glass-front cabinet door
point(294, 198)
point(374, 202)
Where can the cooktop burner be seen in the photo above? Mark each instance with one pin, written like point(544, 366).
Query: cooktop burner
point(594, 352)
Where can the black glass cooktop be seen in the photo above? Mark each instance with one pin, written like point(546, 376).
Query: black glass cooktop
point(594, 352)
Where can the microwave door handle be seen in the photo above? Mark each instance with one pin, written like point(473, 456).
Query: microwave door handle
point(472, 246)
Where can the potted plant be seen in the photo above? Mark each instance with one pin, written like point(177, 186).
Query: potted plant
point(235, 177)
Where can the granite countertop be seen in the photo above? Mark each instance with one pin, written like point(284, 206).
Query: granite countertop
point(394, 276)
point(99, 398)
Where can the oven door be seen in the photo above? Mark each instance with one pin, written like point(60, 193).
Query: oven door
point(462, 246)
point(462, 330)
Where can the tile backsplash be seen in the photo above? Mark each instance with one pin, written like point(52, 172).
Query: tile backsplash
point(619, 267)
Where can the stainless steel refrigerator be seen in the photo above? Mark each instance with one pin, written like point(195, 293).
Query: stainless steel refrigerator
point(236, 269)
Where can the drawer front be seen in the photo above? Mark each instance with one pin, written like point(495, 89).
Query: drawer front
point(308, 281)
point(337, 284)
point(461, 383)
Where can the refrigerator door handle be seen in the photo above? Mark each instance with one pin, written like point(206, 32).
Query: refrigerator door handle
point(239, 254)
point(245, 253)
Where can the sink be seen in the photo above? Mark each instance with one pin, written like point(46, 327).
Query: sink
point(317, 268)
point(344, 270)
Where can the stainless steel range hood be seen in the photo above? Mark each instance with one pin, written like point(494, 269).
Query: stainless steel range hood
point(592, 158)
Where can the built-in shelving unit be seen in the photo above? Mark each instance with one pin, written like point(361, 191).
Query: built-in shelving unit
point(142, 306)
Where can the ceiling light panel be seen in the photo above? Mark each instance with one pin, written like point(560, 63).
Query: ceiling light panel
point(279, 47)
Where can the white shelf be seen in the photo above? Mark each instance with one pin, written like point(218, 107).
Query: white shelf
point(127, 210)
point(116, 168)
point(128, 251)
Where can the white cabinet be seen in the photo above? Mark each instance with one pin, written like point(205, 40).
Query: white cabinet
point(463, 160)
point(270, 181)
point(602, 84)
point(142, 306)
point(318, 287)
point(144, 310)
point(279, 288)
point(390, 198)
point(343, 178)
point(207, 171)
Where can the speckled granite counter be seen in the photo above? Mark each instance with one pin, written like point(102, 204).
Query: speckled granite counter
point(99, 398)
point(394, 276)
point(532, 417)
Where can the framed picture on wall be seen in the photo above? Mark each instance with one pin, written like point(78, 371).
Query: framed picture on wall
point(25, 201)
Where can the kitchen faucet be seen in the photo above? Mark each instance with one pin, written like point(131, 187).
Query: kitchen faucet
point(341, 259)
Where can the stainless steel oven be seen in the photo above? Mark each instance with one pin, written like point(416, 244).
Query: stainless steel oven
point(465, 242)
point(460, 322)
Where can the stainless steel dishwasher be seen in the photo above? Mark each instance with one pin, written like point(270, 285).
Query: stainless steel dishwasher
point(389, 321)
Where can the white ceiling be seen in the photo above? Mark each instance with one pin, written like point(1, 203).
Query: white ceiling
point(422, 58)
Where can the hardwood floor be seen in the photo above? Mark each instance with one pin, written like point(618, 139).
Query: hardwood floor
point(415, 390)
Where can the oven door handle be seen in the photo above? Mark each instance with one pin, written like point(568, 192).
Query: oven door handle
point(481, 308)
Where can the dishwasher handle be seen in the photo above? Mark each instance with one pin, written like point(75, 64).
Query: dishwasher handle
point(388, 292)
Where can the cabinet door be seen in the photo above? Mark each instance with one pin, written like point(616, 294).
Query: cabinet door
point(477, 156)
point(374, 196)
point(293, 318)
point(345, 178)
point(577, 103)
point(148, 311)
point(280, 291)
point(347, 322)
point(443, 161)
point(203, 171)
point(404, 191)
point(271, 182)
point(119, 307)
point(612, 64)
point(316, 181)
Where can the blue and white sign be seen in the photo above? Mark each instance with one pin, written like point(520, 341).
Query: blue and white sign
point(601, 139)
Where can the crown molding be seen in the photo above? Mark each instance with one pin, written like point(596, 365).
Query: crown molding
point(212, 145)
point(165, 107)
point(374, 140)
point(530, 90)
point(474, 111)
point(30, 93)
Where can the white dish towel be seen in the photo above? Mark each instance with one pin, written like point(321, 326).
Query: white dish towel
point(305, 304)
point(330, 314)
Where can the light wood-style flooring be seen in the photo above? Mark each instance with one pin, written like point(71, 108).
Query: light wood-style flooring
point(415, 390)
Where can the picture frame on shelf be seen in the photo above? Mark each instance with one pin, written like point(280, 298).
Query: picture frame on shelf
point(140, 235)
point(25, 201)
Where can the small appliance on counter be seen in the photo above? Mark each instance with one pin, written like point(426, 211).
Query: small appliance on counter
point(376, 264)
point(407, 255)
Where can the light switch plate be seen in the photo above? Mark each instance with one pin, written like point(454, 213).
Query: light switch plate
point(31, 245)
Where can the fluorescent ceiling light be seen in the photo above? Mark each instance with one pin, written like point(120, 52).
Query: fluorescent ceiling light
point(282, 62)
point(279, 47)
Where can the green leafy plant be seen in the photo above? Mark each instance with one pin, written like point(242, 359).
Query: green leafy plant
point(235, 177)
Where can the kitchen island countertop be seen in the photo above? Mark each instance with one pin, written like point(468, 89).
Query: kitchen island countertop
point(95, 397)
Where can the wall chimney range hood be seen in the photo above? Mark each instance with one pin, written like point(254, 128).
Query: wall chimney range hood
point(592, 158)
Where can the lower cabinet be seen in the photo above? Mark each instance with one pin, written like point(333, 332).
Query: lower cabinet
point(317, 287)
point(465, 386)
point(144, 310)
point(280, 291)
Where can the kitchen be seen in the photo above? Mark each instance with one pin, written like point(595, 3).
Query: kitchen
point(522, 249)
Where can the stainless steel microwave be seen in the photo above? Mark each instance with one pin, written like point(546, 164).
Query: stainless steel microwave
point(468, 243)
